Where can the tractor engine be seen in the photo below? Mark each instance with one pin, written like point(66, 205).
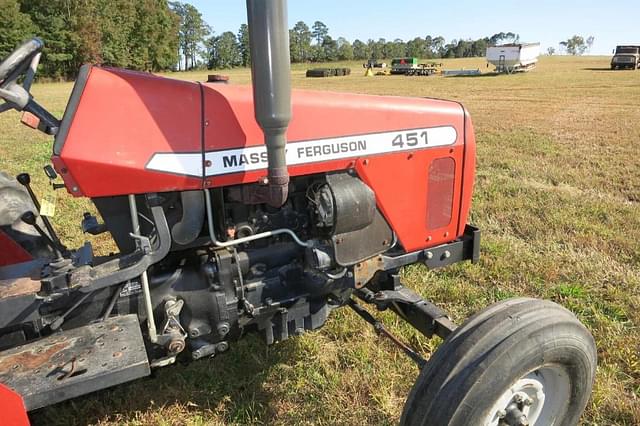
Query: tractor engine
point(281, 285)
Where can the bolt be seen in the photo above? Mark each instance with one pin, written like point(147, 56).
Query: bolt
point(299, 331)
point(501, 414)
point(117, 354)
point(223, 329)
point(222, 346)
point(74, 189)
point(527, 402)
point(176, 346)
point(447, 254)
point(429, 255)
point(429, 238)
point(517, 398)
point(523, 421)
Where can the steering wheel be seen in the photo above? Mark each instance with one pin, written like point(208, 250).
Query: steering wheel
point(24, 60)
point(19, 61)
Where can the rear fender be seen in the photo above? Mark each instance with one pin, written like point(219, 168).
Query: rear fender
point(12, 408)
point(12, 252)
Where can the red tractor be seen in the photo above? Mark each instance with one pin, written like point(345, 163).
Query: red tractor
point(237, 209)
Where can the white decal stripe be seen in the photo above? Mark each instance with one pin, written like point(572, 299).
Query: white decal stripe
point(255, 157)
point(185, 163)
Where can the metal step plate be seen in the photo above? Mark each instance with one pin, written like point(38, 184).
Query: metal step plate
point(76, 362)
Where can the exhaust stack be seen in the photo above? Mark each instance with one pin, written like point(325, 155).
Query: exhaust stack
point(270, 73)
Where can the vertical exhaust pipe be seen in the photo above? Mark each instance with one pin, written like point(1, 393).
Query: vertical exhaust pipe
point(270, 73)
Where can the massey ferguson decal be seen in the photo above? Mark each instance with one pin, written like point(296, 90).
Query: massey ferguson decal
point(255, 157)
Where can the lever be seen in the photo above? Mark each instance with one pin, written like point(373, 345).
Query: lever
point(25, 180)
point(52, 175)
point(30, 218)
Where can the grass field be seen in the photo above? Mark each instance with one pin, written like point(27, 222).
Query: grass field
point(557, 198)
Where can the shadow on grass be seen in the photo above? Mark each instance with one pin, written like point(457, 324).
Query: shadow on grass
point(230, 386)
point(487, 74)
point(599, 69)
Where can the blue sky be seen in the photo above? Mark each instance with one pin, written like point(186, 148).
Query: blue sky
point(544, 21)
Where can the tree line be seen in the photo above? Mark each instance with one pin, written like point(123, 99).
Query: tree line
point(135, 34)
point(158, 35)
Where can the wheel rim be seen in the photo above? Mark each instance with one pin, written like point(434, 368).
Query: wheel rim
point(538, 398)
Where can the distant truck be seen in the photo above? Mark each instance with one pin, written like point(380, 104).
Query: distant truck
point(514, 57)
point(626, 57)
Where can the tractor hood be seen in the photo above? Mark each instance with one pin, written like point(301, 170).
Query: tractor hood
point(129, 132)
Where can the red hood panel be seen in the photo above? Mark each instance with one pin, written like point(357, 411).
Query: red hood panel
point(135, 132)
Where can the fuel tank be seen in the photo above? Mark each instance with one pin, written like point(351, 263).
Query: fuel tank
point(127, 132)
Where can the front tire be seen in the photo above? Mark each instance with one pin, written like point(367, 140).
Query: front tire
point(519, 357)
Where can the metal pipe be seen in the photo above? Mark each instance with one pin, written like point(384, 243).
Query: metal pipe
point(271, 77)
point(60, 320)
point(187, 229)
point(254, 237)
point(112, 302)
point(151, 324)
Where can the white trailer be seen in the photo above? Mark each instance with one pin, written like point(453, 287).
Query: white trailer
point(509, 58)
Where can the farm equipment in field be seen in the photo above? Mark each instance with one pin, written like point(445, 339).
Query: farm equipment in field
point(425, 70)
point(411, 67)
point(514, 57)
point(374, 67)
point(400, 66)
point(220, 234)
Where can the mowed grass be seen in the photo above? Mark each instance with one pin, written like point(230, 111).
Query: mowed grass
point(557, 197)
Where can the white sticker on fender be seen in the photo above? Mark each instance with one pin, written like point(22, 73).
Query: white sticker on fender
point(311, 151)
